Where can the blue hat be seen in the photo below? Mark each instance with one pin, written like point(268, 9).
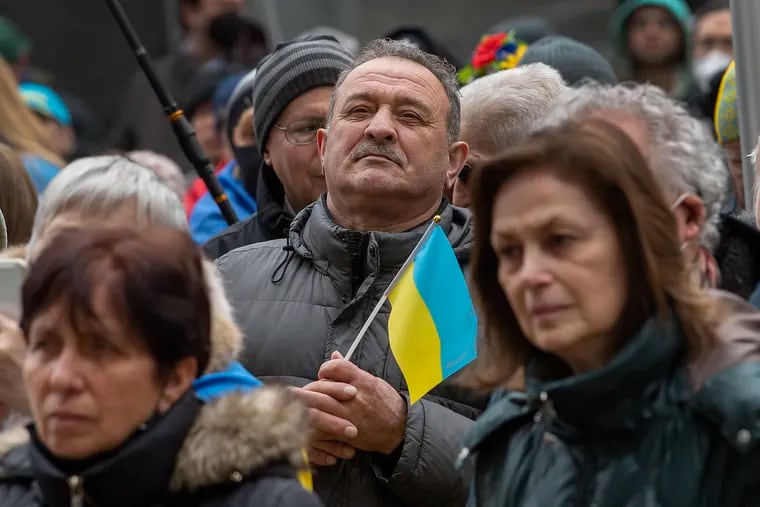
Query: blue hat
point(43, 100)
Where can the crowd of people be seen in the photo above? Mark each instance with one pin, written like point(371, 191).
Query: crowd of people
point(596, 207)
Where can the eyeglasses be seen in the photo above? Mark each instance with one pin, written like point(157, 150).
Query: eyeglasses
point(465, 173)
point(302, 132)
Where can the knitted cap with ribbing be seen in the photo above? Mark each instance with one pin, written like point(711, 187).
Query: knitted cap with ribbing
point(293, 68)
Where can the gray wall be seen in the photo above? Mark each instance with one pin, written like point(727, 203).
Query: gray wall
point(459, 23)
point(78, 41)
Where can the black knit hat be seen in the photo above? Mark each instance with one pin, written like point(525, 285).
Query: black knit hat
point(293, 68)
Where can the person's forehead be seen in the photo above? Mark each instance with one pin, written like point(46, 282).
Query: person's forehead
point(651, 11)
point(310, 104)
point(720, 19)
point(396, 76)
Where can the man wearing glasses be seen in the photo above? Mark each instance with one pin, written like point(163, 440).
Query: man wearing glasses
point(291, 97)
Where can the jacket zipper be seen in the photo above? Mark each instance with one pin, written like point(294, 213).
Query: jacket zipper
point(76, 490)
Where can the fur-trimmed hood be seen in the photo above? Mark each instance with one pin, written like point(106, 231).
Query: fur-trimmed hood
point(238, 435)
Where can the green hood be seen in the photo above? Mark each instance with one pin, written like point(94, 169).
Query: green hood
point(678, 8)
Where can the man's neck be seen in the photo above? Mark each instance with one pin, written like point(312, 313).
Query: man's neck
point(662, 76)
point(363, 218)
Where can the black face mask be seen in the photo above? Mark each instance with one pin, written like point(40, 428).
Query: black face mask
point(249, 160)
point(225, 30)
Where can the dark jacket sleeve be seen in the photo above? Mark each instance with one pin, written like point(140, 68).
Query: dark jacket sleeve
point(425, 474)
point(279, 492)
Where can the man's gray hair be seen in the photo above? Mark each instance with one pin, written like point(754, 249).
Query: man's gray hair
point(96, 186)
point(683, 154)
point(501, 109)
point(440, 68)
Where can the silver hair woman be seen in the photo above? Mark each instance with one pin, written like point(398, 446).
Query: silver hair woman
point(684, 157)
point(105, 190)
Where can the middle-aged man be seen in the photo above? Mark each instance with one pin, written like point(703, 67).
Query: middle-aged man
point(499, 111)
point(390, 149)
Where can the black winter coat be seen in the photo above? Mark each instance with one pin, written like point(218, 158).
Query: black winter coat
point(271, 221)
point(235, 451)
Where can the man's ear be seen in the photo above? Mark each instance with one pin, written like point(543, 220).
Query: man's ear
point(458, 152)
point(179, 380)
point(322, 144)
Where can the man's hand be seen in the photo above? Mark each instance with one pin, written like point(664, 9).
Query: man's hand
point(328, 417)
point(352, 409)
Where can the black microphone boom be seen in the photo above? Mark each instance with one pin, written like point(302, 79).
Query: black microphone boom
point(182, 128)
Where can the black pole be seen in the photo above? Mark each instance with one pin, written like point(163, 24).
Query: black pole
point(182, 128)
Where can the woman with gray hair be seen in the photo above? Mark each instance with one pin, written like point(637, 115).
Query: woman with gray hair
point(105, 190)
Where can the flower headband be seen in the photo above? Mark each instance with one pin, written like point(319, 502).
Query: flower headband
point(494, 53)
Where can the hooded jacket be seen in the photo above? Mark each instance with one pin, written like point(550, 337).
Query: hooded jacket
point(242, 448)
point(300, 299)
point(271, 221)
point(679, 9)
point(649, 429)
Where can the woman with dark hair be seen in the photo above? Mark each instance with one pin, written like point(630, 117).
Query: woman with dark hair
point(18, 197)
point(118, 326)
point(618, 382)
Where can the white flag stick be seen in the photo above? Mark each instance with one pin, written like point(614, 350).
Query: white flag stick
point(393, 283)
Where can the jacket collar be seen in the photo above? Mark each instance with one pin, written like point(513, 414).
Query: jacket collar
point(191, 447)
point(618, 395)
point(147, 459)
point(340, 252)
point(270, 202)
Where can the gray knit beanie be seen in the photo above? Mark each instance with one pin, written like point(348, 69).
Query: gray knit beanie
point(575, 61)
point(293, 68)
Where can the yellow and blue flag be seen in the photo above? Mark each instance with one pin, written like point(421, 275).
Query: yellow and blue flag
point(432, 327)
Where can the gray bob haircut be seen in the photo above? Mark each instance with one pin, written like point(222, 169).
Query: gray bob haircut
point(440, 68)
point(683, 154)
point(96, 186)
point(501, 109)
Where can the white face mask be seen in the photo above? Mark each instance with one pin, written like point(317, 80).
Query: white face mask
point(706, 67)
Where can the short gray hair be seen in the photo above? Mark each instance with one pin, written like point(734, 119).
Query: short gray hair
point(95, 186)
point(684, 156)
point(504, 107)
point(440, 68)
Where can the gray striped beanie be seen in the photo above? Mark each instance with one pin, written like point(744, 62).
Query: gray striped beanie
point(293, 68)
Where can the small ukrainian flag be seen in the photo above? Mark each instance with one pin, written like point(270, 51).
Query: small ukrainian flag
point(432, 326)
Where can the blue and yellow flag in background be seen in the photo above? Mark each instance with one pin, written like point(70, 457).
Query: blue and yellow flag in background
point(432, 326)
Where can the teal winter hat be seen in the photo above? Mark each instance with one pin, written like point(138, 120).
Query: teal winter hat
point(679, 9)
point(45, 101)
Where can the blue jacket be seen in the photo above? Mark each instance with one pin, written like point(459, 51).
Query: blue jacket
point(40, 170)
point(206, 220)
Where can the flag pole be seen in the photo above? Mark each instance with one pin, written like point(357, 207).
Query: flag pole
point(183, 130)
point(384, 297)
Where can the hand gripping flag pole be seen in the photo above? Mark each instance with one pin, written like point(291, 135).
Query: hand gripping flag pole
point(182, 128)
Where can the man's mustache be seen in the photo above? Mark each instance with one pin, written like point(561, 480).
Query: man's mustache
point(379, 150)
